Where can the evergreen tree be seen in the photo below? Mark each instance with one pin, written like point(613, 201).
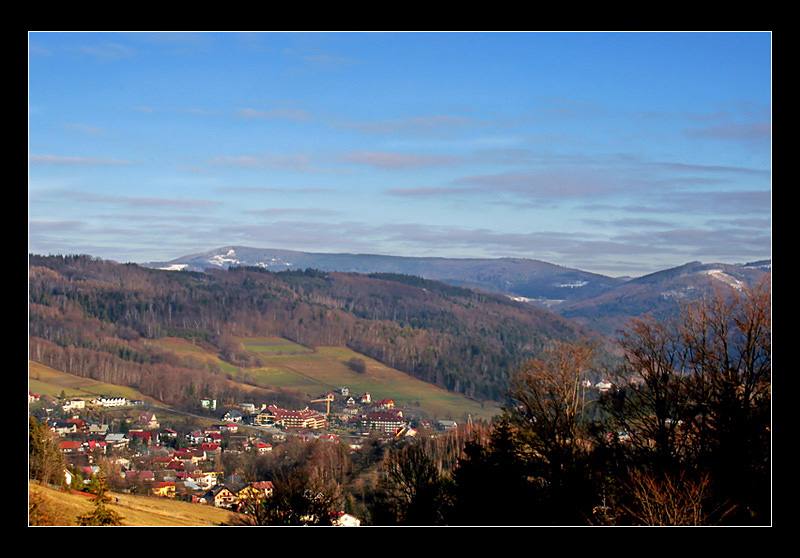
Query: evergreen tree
point(45, 460)
point(101, 515)
point(491, 485)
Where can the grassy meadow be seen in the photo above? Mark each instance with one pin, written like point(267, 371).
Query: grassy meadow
point(312, 372)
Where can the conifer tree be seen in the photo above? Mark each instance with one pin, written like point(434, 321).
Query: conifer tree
point(101, 515)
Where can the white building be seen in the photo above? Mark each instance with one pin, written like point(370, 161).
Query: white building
point(111, 401)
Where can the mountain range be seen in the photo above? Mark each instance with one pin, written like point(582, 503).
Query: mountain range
point(598, 301)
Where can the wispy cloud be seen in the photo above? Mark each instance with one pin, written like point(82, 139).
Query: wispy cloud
point(135, 201)
point(108, 51)
point(75, 161)
point(88, 130)
point(399, 161)
point(753, 132)
point(434, 125)
point(279, 113)
point(274, 190)
point(294, 162)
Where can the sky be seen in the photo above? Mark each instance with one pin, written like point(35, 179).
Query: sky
point(618, 153)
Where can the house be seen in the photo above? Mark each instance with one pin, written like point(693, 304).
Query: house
point(74, 404)
point(176, 465)
point(603, 385)
point(221, 496)
point(447, 424)
point(148, 421)
point(208, 404)
point(70, 447)
point(342, 519)
point(80, 424)
point(385, 404)
point(98, 429)
point(93, 445)
point(203, 480)
point(232, 416)
point(190, 455)
point(168, 434)
point(116, 440)
point(88, 472)
point(261, 447)
point(257, 490)
point(144, 437)
point(164, 489)
point(111, 401)
point(196, 437)
point(63, 427)
point(188, 491)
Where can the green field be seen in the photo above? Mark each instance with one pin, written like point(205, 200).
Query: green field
point(43, 380)
point(313, 372)
point(310, 372)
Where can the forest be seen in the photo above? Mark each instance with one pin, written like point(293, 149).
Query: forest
point(89, 314)
point(684, 438)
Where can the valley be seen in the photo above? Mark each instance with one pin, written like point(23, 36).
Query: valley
point(242, 378)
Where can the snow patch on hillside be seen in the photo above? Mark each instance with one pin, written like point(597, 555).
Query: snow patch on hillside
point(221, 260)
point(573, 285)
point(723, 277)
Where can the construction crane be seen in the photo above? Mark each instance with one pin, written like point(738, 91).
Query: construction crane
point(328, 398)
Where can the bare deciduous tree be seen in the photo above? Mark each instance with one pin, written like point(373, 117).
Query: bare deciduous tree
point(549, 395)
point(668, 500)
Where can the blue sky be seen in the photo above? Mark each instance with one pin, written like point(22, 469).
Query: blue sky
point(618, 153)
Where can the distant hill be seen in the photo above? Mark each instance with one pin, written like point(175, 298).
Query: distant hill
point(597, 301)
point(533, 280)
point(659, 294)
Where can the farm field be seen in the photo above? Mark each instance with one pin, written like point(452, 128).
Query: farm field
point(44, 380)
point(312, 372)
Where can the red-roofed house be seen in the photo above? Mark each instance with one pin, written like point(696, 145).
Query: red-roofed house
point(70, 447)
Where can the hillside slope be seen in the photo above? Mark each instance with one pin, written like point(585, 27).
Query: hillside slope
point(62, 508)
point(99, 316)
point(660, 294)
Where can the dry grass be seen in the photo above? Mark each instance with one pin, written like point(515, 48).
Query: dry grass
point(63, 508)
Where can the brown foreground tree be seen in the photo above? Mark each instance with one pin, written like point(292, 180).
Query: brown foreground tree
point(695, 397)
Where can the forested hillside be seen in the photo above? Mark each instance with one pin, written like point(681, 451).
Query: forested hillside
point(87, 314)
